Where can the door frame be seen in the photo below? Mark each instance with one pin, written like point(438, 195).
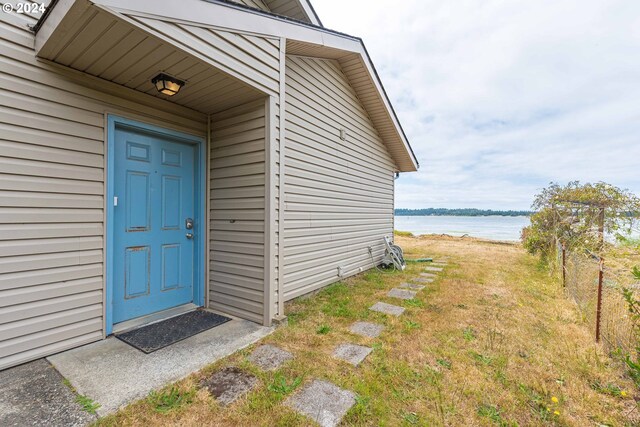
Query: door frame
point(200, 199)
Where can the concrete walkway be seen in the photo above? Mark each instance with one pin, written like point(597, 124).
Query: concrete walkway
point(34, 394)
point(114, 374)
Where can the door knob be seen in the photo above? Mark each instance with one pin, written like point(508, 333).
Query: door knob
point(189, 235)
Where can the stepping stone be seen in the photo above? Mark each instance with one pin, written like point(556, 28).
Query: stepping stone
point(440, 261)
point(352, 353)
point(430, 275)
point(433, 269)
point(383, 307)
point(436, 264)
point(366, 329)
point(401, 293)
point(269, 357)
point(422, 280)
point(229, 384)
point(412, 286)
point(323, 402)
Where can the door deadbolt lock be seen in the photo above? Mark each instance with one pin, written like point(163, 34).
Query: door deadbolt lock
point(188, 223)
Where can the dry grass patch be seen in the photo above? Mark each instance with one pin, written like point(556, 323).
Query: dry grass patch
point(491, 342)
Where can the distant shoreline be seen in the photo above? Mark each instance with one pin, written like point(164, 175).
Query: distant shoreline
point(459, 212)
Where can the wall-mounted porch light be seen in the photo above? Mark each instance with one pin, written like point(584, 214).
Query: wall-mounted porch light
point(167, 84)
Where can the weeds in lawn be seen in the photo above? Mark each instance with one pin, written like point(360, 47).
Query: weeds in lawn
point(494, 336)
point(609, 388)
point(171, 399)
point(444, 362)
point(501, 376)
point(410, 418)
point(469, 333)
point(410, 324)
point(280, 385)
point(440, 405)
point(491, 412)
point(361, 410)
point(294, 318)
point(542, 406)
point(414, 302)
point(88, 404)
point(323, 329)
point(478, 357)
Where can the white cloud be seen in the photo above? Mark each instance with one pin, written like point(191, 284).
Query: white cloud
point(500, 98)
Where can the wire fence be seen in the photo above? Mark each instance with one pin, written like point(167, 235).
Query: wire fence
point(597, 289)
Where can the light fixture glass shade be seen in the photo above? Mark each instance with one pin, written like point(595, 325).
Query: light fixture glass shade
point(166, 84)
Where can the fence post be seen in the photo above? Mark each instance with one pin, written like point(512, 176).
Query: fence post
point(564, 265)
point(599, 306)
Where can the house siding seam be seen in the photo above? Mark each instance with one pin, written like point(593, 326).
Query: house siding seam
point(237, 216)
point(52, 195)
point(279, 190)
point(339, 194)
point(270, 218)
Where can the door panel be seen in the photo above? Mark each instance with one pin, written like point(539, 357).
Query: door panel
point(154, 181)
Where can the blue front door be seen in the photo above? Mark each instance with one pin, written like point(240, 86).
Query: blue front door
point(154, 205)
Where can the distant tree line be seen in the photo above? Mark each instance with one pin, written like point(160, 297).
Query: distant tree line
point(458, 212)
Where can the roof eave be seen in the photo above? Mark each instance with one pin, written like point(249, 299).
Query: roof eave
point(261, 22)
point(392, 111)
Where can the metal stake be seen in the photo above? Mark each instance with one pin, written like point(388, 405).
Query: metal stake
point(599, 306)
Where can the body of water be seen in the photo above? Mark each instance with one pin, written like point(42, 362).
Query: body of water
point(485, 227)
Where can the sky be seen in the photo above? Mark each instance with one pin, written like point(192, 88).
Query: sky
point(500, 98)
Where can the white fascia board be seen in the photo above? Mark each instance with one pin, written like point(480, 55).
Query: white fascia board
point(387, 104)
point(224, 16)
point(62, 17)
point(308, 10)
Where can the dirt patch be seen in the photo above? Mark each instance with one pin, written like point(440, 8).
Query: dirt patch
point(229, 384)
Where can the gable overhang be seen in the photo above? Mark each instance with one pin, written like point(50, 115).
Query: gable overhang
point(297, 9)
point(100, 42)
point(302, 39)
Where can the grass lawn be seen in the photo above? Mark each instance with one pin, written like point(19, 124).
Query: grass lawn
point(491, 342)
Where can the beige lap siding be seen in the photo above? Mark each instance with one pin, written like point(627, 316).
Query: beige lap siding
point(52, 195)
point(237, 238)
point(339, 194)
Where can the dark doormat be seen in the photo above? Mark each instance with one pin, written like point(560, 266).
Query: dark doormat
point(162, 334)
